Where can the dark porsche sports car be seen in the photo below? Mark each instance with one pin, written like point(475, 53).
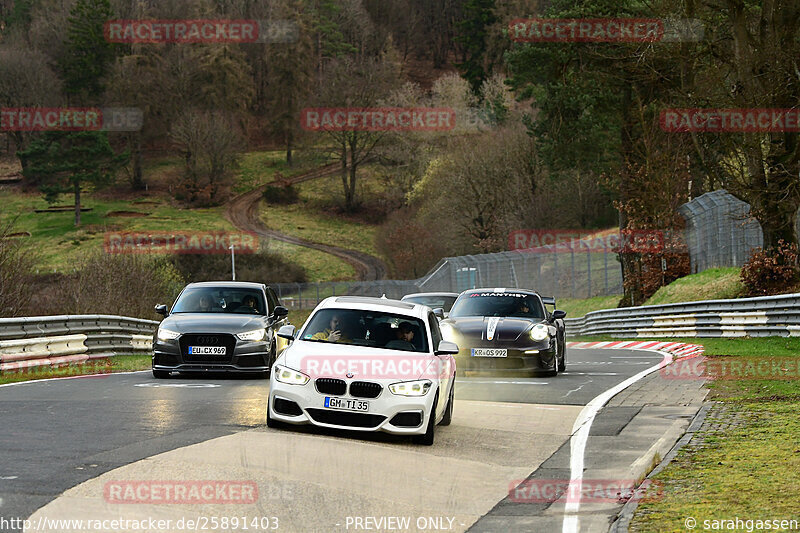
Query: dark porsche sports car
point(506, 331)
point(219, 326)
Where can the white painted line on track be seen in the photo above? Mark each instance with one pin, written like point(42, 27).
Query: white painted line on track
point(95, 376)
point(580, 435)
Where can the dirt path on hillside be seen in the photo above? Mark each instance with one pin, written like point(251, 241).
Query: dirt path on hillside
point(243, 212)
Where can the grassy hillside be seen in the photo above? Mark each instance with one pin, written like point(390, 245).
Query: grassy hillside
point(711, 284)
point(714, 283)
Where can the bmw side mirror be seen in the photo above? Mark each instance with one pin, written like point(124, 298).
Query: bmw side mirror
point(447, 348)
point(280, 312)
point(559, 315)
point(439, 312)
point(161, 309)
point(286, 332)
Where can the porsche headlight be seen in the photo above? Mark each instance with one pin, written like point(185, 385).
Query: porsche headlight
point(252, 336)
point(539, 332)
point(449, 333)
point(287, 375)
point(411, 388)
point(167, 335)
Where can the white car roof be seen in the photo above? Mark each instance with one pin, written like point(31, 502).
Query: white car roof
point(430, 294)
point(368, 303)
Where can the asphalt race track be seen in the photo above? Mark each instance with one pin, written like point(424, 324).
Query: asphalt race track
point(59, 434)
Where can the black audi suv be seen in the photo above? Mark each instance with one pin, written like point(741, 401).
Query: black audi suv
point(219, 326)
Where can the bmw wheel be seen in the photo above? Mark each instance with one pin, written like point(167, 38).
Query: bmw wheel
point(426, 439)
point(448, 413)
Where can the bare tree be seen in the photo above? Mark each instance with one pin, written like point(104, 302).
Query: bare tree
point(210, 143)
point(355, 83)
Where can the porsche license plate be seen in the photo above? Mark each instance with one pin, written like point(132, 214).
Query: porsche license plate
point(207, 350)
point(345, 404)
point(489, 352)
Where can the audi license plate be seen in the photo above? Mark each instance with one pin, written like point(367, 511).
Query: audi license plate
point(345, 404)
point(207, 350)
point(489, 352)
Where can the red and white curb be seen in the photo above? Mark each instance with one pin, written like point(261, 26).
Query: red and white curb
point(676, 349)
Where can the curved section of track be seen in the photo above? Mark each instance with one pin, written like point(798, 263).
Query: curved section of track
point(74, 435)
point(244, 212)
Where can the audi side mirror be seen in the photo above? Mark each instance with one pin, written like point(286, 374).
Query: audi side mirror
point(439, 312)
point(161, 309)
point(280, 312)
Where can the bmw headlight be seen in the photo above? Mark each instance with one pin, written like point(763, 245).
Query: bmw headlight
point(167, 335)
point(252, 336)
point(539, 332)
point(411, 388)
point(287, 375)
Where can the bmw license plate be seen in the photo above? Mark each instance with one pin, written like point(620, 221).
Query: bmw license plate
point(345, 404)
point(489, 352)
point(207, 350)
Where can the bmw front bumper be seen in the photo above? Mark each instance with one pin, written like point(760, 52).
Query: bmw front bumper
point(390, 413)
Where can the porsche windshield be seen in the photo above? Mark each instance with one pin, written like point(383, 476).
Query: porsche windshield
point(220, 300)
point(512, 304)
point(367, 328)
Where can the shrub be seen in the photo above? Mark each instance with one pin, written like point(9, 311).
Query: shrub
point(770, 271)
point(280, 194)
point(126, 284)
point(261, 267)
point(16, 272)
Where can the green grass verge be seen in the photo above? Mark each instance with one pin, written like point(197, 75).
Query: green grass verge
point(751, 469)
point(61, 244)
point(118, 363)
point(576, 308)
point(711, 284)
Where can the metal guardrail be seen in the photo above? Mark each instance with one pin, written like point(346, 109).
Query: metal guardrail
point(765, 316)
point(62, 339)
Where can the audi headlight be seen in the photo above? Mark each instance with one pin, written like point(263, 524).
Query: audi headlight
point(252, 336)
point(539, 332)
point(167, 335)
point(411, 388)
point(290, 376)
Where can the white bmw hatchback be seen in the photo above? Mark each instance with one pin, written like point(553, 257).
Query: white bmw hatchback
point(365, 364)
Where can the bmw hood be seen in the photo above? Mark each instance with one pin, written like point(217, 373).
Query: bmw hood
point(212, 323)
point(492, 328)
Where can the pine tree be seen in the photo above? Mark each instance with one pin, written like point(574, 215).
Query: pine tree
point(88, 53)
point(473, 30)
point(62, 162)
